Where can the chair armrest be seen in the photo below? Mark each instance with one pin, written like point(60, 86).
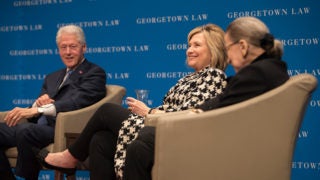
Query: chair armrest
point(2, 115)
point(153, 119)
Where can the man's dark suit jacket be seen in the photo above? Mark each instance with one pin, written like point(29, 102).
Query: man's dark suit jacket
point(263, 74)
point(85, 86)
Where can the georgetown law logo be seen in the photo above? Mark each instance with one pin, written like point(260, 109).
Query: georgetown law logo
point(118, 75)
point(306, 165)
point(293, 72)
point(177, 46)
point(39, 2)
point(94, 23)
point(21, 27)
point(172, 18)
point(309, 41)
point(21, 77)
point(32, 52)
point(314, 103)
point(135, 48)
point(166, 75)
point(25, 102)
point(294, 11)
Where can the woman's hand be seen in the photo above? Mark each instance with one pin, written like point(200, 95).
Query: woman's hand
point(137, 107)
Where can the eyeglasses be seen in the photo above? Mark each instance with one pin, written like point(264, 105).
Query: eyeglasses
point(71, 47)
point(229, 46)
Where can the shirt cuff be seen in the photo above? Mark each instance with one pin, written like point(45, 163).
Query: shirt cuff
point(49, 110)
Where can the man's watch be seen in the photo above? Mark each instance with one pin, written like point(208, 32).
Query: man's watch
point(40, 110)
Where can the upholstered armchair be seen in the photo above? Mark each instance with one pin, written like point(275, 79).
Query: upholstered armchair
point(73, 121)
point(251, 140)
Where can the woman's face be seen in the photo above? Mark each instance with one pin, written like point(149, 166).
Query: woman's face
point(235, 57)
point(198, 54)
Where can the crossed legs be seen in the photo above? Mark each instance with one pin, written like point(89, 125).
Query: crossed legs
point(106, 121)
point(140, 156)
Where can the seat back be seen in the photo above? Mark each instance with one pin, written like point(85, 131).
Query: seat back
point(73, 121)
point(254, 139)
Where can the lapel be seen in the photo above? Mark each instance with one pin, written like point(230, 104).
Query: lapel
point(60, 78)
point(57, 80)
point(76, 74)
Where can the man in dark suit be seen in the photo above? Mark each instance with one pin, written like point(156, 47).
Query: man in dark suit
point(80, 84)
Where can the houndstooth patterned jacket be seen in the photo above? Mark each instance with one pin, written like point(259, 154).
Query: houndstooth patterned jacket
point(190, 91)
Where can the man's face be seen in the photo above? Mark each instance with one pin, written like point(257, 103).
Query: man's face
point(71, 50)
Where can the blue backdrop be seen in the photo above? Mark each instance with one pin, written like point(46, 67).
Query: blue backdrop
point(142, 44)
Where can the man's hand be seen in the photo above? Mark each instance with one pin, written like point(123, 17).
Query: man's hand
point(14, 116)
point(43, 100)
